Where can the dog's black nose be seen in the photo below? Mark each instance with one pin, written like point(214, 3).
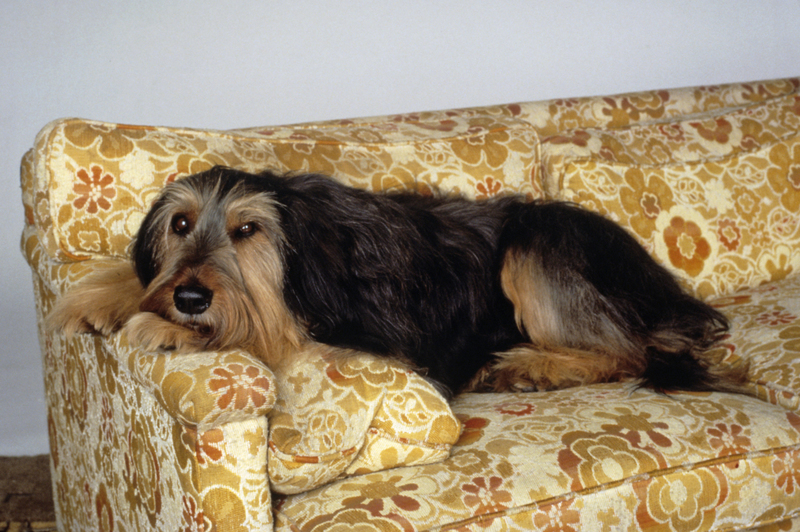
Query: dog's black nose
point(193, 299)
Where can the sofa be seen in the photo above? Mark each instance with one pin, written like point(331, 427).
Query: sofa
point(706, 178)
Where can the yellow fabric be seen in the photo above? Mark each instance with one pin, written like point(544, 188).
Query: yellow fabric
point(144, 441)
point(766, 331)
point(594, 458)
point(553, 117)
point(91, 199)
point(353, 415)
point(606, 455)
point(86, 187)
point(715, 198)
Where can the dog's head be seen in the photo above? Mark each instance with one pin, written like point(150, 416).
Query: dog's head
point(209, 256)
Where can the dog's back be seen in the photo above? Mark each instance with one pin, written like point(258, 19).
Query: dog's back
point(398, 274)
point(560, 295)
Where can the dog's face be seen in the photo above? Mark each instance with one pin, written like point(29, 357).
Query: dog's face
point(209, 256)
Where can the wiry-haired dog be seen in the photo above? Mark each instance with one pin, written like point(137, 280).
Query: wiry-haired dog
point(491, 295)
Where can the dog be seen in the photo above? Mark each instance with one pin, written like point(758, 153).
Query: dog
point(494, 295)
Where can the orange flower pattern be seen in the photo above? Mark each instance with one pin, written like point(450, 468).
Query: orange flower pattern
point(94, 191)
point(787, 467)
point(559, 518)
point(729, 234)
point(776, 317)
point(718, 130)
point(688, 250)
point(728, 440)
point(239, 386)
point(716, 199)
point(515, 408)
point(488, 188)
point(142, 441)
point(192, 517)
point(484, 495)
point(209, 447)
point(472, 429)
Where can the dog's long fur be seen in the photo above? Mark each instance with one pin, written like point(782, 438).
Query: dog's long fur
point(492, 295)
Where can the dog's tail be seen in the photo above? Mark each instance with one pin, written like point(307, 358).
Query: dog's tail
point(684, 351)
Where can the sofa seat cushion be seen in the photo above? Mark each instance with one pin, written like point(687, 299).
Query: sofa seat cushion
point(582, 459)
point(90, 199)
point(765, 331)
point(714, 197)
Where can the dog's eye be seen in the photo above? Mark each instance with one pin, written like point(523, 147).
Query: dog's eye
point(181, 224)
point(245, 230)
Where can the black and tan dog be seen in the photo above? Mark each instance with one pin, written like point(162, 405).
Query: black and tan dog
point(491, 295)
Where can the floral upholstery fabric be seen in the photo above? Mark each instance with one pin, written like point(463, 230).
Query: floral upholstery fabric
point(605, 457)
point(91, 199)
point(596, 458)
point(353, 415)
point(140, 441)
point(553, 117)
point(715, 198)
point(146, 441)
point(765, 330)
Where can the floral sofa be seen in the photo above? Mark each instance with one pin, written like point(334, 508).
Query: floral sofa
point(707, 178)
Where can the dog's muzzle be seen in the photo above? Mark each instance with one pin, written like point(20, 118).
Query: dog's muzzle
point(192, 299)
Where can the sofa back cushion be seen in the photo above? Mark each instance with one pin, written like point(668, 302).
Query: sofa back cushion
point(716, 197)
point(93, 182)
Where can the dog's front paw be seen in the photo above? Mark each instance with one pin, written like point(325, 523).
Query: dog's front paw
point(71, 317)
point(151, 332)
point(495, 378)
point(102, 303)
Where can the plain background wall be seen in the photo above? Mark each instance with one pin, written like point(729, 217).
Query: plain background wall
point(211, 64)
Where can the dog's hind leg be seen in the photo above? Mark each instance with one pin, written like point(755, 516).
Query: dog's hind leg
point(528, 368)
point(571, 340)
point(596, 307)
point(570, 343)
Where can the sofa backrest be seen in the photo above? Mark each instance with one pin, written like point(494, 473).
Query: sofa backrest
point(705, 177)
point(87, 185)
point(715, 197)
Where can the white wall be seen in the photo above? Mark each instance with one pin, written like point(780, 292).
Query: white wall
point(249, 63)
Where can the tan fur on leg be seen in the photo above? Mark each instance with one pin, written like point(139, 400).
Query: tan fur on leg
point(572, 339)
point(102, 302)
point(529, 368)
point(152, 332)
point(528, 290)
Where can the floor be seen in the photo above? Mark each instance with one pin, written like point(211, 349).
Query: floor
point(26, 499)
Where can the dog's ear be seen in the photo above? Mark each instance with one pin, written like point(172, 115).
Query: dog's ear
point(145, 247)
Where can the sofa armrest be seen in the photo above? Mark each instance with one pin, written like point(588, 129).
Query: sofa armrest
point(148, 441)
point(204, 390)
point(195, 427)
